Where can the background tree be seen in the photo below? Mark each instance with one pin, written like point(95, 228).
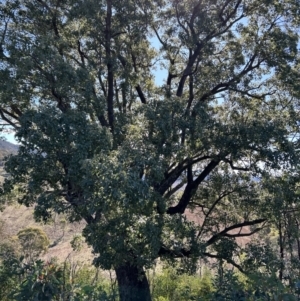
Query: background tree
point(33, 241)
point(282, 192)
point(101, 141)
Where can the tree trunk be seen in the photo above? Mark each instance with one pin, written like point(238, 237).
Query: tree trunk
point(133, 283)
point(281, 250)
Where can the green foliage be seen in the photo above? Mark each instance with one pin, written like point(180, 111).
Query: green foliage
point(101, 141)
point(169, 285)
point(228, 287)
point(42, 281)
point(52, 281)
point(8, 281)
point(9, 264)
point(77, 242)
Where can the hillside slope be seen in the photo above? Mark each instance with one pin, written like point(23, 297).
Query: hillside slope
point(16, 217)
point(7, 148)
point(60, 232)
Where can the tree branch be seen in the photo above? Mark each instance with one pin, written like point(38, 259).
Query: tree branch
point(174, 189)
point(243, 234)
point(110, 74)
point(228, 260)
point(235, 167)
point(163, 251)
point(227, 85)
point(141, 94)
point(173, 175)
point(191, 188)
point(187, 253)
point(7, 119)
point(223, 233)
point(197, 51)
point(16, 110)
point(211, 209)
point(138, 87)
point(9, 114)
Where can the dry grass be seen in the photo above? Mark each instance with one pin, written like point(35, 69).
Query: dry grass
point(60, 233)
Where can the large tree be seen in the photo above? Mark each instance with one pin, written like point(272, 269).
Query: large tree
point(105, 139)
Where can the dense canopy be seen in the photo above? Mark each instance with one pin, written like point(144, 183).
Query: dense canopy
point(133, 114)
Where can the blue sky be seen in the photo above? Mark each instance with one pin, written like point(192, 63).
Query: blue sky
point(10, 137)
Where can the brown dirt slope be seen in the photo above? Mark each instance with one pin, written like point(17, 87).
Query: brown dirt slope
point(59, 231)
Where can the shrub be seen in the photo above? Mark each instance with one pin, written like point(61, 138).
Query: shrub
point(170, 286)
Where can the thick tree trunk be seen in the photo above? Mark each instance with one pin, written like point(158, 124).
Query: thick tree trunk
point(133, 284)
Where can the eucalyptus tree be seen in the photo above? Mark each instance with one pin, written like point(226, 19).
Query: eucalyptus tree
point(103, 141)
point(281, 198)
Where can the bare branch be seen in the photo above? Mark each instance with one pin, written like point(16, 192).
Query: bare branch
point(159, 38)
point(187, 253)
point(228, 260)
point(243, 234)
point(7, 119)
point(215, 203)
point(224, 232)
point(10, 114)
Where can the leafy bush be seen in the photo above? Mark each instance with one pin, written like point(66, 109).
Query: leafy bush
point(42, 282)
point(171, 285)
point(228, 287)
point(50, 281)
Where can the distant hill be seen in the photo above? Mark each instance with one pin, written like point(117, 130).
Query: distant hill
point(7, 148)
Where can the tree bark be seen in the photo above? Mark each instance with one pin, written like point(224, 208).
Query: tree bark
point(133, 283)
point(281, 250)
